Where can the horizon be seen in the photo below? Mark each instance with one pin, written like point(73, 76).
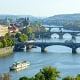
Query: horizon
point(39, 8)
point(37, 16)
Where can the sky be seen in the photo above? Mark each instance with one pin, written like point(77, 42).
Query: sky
point(40, 8)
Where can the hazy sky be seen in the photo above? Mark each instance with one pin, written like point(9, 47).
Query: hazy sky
point(39, 7)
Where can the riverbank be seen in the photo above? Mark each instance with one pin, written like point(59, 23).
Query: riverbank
point(6, 51)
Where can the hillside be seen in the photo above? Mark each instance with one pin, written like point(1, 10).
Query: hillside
point(61, 19)
point(14, 17)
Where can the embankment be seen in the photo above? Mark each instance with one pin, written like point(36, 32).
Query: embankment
point(6, 51)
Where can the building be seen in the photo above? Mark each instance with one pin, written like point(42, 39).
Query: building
point(3, 30)
point(13, 29)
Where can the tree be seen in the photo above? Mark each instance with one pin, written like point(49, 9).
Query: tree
point(10, 42)
point(39, 76)
point(28, 31)
point(1, 44)
point(68, 78)
point(4, 42)
point(17, 35)
point(23, 38)
point(47, 73)
point(50, 73)
point(24, 78)
point(78, 77)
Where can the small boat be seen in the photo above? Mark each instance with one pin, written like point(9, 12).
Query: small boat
point(17, 66)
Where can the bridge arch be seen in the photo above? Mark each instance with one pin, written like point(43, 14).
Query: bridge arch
point(78, 34)
point(43, 47)
point(58, 48)
point(67, 35)
point(55, 35)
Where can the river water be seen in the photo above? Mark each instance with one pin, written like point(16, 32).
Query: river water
point(56, 56)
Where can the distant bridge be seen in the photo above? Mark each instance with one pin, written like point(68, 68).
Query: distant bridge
point(43, 45)
point(51, 27)
point(47, 34)
point(60, 33)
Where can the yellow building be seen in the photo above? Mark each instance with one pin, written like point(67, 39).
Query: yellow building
point(3, 30)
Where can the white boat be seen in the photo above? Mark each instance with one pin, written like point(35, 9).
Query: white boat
point(17, 66)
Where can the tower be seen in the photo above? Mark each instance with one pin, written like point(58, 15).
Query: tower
point(26, 22)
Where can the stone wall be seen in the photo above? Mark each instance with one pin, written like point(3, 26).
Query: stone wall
point(6, 51)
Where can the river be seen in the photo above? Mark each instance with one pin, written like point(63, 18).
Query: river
point(56, 56)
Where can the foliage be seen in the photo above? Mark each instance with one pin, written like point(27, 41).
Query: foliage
point(23, 38)
point(1, 44)
point(30, 30)
point(17, 35)
point(47, 73)
point(78, 77)
point(6, 41)
point(24, 78)
point(68, 78)
point(50, 73)
point(39, 76)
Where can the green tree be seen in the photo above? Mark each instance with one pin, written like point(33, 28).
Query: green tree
point(7, 35)
point(17, 35)
point(28, 31)
point(7, 41)
point(4, 42)
point(39, 76)
point(78, 77)
point(24, 78)
point(10, 42)
point(1, 44)
point(50, 73)
point(68, 78)
point(23, 38)
point(47, 73)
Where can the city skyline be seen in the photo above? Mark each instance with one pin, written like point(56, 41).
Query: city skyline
point(40, 8)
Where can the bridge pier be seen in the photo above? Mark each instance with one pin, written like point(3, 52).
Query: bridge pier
point(43, 49)
point(60, 36)
point(49, 29)
point(74, 51)
point(28, 47)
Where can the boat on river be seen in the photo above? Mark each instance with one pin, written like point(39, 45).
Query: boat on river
point(17, 66)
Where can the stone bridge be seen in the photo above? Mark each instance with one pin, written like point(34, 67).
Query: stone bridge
point(61, 33)
point(43, 45)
